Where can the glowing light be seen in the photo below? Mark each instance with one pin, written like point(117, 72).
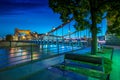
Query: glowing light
point(51, 45)
point(53, 28)
point(12, 50)
point(63, 47)
point(35, 56)
point(46, 33)
point(18, 54)
point(12, 55)
point(68, 20)
point(46, 46)
point(24, 53)
point(19, 50)
point(40, 46)
point(23, 37)
point(102, 42)
point(24, 57)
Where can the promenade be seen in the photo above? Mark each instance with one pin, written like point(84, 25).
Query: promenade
point(115, 74)
point(43, 74)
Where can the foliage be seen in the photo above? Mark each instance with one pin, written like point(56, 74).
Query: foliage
point(87, 13)
point(79, 9)
point(113, 17)
point(9, 37)
point(107, 65)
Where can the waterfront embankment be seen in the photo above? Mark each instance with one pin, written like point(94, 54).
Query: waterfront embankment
point(14, 44)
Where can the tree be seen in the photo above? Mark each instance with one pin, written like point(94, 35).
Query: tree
point(9, 37)
point(113, 17)
point(86, 12)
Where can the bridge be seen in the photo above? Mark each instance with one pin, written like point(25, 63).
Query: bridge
point(39, 53)
point(50, 42)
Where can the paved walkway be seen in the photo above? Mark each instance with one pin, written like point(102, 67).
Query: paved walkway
point(23, 71)
point(115, 74)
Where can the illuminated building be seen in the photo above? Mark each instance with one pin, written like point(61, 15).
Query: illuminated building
point(24, 34)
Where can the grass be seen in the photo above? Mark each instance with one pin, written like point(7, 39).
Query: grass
point(107, 65)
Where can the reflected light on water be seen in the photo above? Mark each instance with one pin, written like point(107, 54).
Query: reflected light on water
point(12, 55)
point(18, 54)
point(63, 47)
point(12, 50)
point(19, 50)
point(24, 55)
point(46, 46)
point(40, 46)
point(35, 56)
point(51, 45)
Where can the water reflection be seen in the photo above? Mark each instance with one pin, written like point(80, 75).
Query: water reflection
point(41, 46)
point(12, 55)
point(46, 46)
point(22, 54)
point(12, 50)
point(35, 56)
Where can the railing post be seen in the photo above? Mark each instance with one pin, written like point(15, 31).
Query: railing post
point(112, 53)
point(31, 52)
point(57, 46)
point(108, 77)
point(10, 43)
point(42, 44)
point(72, 46)
point(47, 45)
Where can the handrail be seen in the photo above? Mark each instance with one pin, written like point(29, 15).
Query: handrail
point(30, 52)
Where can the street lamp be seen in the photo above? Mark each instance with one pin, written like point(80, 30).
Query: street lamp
point(54, 28)
point(46, 33)
point(69, 33)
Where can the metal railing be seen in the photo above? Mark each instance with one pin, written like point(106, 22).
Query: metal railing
point(17, 52)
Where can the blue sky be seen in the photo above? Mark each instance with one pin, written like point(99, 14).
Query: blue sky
point(34, 15)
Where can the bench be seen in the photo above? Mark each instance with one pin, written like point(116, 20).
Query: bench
point(84, 58)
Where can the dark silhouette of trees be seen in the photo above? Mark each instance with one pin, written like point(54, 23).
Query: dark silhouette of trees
point(9, 37)
point(113, 17)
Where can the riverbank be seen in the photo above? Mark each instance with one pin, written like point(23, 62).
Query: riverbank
point(15, 44)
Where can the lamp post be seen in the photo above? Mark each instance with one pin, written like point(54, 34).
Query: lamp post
point(53, 33)
point(62, 36)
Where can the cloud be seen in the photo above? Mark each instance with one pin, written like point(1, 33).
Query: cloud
point(8, 7)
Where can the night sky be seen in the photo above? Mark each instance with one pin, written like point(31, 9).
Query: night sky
point(34, 15)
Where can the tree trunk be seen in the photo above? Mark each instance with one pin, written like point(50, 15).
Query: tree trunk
point(94, 42)
point(93, 27)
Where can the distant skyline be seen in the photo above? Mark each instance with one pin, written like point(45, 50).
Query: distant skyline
point(34, 15)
